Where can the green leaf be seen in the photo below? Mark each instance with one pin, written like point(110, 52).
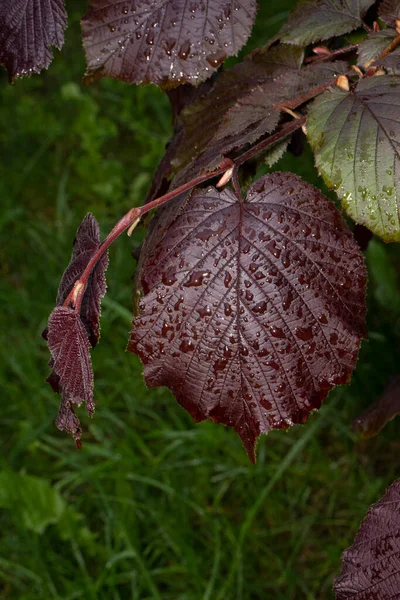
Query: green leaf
point(32, 499)
point(355, 137)
point(276, 152)
point(314, 20)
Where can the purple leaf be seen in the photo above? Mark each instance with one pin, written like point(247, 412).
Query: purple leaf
point(87, 241)
point(372, 420)
point(391, 62)
point(72, 373)
point(389, 12)
point(202, 120)
point(28, 29)
point(313, 20)
point(373, 45)
point(249, 314)
point(371, 566)
point(166, 42)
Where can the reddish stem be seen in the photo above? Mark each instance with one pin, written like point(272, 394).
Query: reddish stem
point(283, 132)
point(332, 54)
point(76, 294)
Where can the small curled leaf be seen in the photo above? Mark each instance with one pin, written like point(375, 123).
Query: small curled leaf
point(72, 373)
point(86, 242)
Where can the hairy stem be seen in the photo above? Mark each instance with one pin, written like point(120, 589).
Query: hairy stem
point(392, 46)
point(132, 217)
point(333, 54)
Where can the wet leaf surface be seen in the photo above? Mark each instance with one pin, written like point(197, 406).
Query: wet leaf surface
point(356, 141)
point(249, 314)
point(314, 20)
point(371, 566)
point(166, 42)
point(28, 30)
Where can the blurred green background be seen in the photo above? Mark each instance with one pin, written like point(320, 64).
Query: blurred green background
point(154, 506)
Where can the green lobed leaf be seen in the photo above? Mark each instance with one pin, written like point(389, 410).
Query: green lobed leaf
point(355, 137)
point(314, 20)
point(35, 502)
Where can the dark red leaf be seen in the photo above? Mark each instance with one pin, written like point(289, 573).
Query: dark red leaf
point(67, 419)
point(372, 420)
point(245, 115)
point(28, 29)
point(391, 62)
point(370, 48)
point(249, 313)
point(313, 20)
point(389, 12)
point(86, 242)
point(371, 566)
point(167, 42)
point(196, 145)
point(69, 347)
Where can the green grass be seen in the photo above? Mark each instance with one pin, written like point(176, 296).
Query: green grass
point(154, 506)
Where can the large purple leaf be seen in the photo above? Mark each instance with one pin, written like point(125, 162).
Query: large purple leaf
point(249, 314)
point(371, 566)
point(314, 20)
point(167, 42)
point(86, 242)
point(72, 373)
point(28, 29)
point(355, 136)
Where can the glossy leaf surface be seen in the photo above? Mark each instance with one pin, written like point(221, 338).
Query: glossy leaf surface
point(249, 314)
point(166, 42)
point(314, 20)
point(28, 30)
point(356, 141)
point(371, 566)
